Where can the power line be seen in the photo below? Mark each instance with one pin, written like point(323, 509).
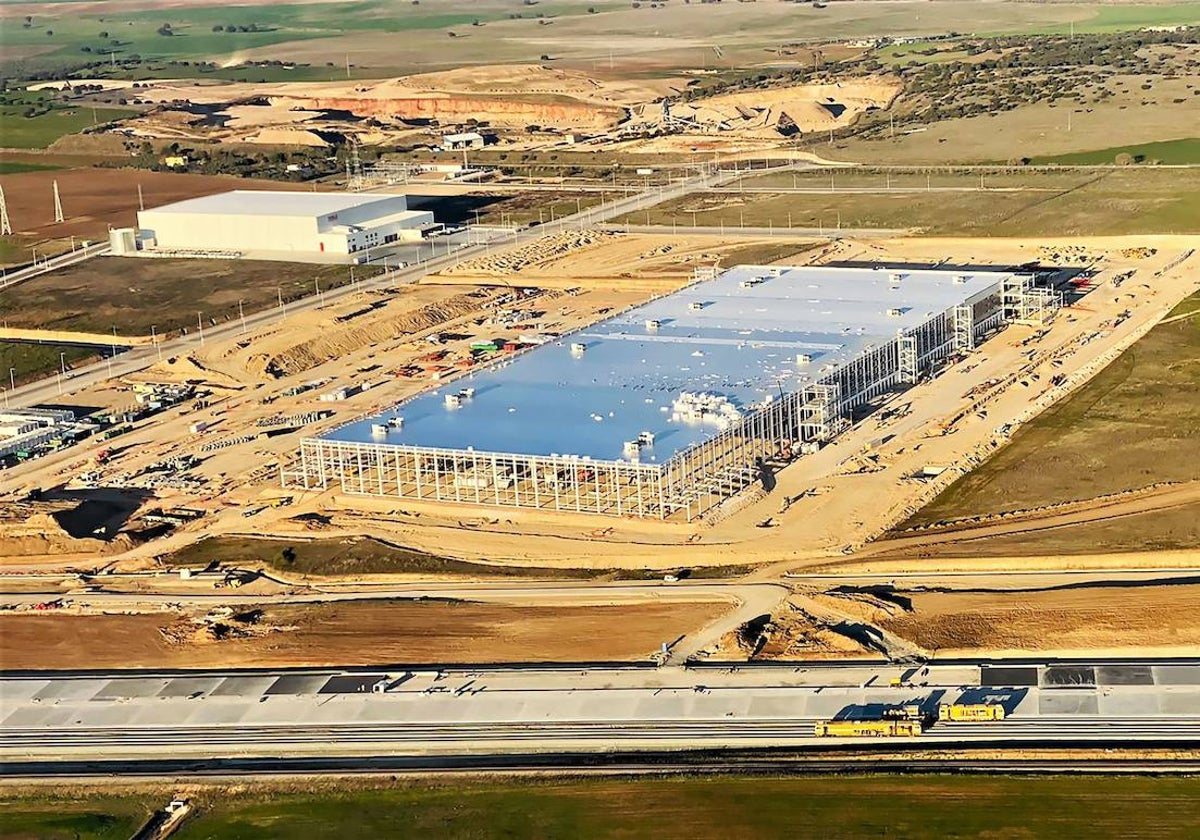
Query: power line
point(5, 227)
point(58, 213)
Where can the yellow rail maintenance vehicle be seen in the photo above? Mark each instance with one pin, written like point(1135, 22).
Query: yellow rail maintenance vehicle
point(867, 728)
point(909, 712)
point(970, 711)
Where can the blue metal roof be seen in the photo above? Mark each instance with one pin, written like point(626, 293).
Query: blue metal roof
point(741, 343)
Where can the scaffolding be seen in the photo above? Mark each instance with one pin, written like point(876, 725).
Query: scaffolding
point(906, 359)
point(1024, 302)
point(693, 480)
point(964, 328)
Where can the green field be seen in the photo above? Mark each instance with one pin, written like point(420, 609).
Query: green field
point(78, 38)
point(1169, 152)
point(11, 167)
point(52, 120)
point(696, 808)
point(138, 32)
point(666, 35)
point(1122, 18)
point(921, 52)
point(346, 556)
point(34, 361)
point(369, 556)
point(1159, 530)
point(1136, 423)
point(97, 816)
point(1149, 201)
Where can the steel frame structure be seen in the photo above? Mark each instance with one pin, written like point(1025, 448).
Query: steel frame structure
point(694, 480)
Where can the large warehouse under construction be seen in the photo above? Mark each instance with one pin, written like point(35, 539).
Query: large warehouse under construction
point(672, 407)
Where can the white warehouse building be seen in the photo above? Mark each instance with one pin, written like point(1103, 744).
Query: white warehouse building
point(299, 225)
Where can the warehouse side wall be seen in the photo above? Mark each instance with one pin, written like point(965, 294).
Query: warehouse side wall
point(210, 231)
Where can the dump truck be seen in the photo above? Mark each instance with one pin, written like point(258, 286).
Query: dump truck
point(970, 711)
point(867, 728)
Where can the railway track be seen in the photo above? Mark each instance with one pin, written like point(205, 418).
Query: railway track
point(17, 742)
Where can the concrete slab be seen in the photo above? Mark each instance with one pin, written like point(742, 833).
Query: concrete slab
point(296, 684)
point(188, 686)
point(1012, 675)
point(1068, 675)
point(1177, 674)
point(248, 686)
point(1124, 675)
point(1068, 703)
point(350, 683)
point(69, 690)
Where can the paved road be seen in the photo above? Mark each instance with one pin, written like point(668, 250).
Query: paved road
point(830, 232)
point(48, 390)
point(585, 708)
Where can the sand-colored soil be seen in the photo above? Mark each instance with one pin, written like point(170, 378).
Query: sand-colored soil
point(580, 257)
point(368, 633)
point(793, 632)
point(514, 96)
point(1091, 618)
point(805, 108)
point(440, 308)
point(525, 79)
point(1155, 618)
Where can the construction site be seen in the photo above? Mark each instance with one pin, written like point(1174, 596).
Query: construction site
point(473, 404)
point(829, 402)
point(692, 398)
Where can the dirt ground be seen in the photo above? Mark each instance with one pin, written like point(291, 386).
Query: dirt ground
point(823, 506)
point(1089, 618)
point(591, 256)
point(882, 621)
point(368, 633)
point(1136, 423)
point(515, 94)
point(133, 293)
point(94, 199)
point(761, 113)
